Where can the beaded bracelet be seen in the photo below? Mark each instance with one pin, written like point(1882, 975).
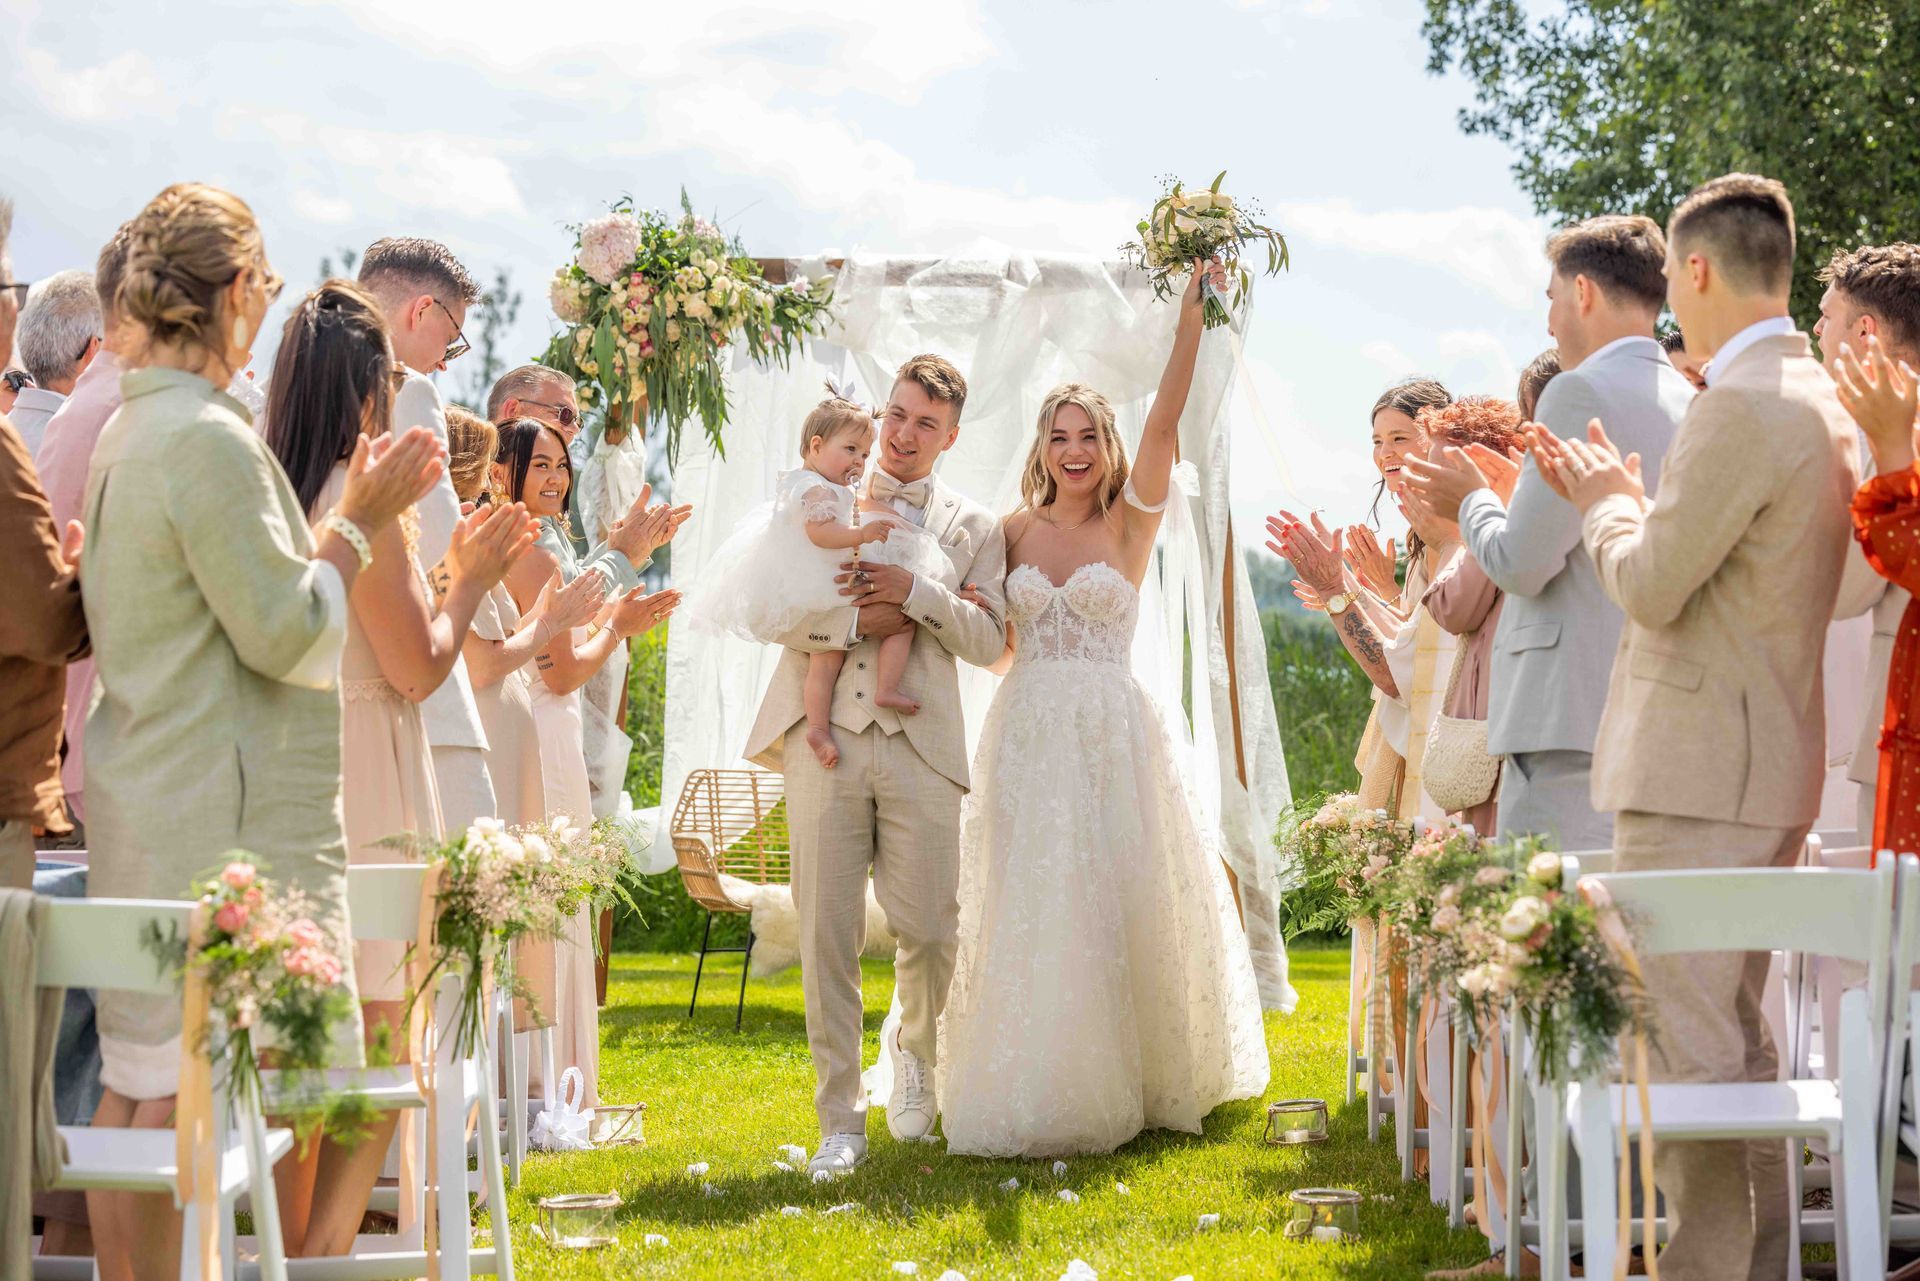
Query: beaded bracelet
point(350, 532)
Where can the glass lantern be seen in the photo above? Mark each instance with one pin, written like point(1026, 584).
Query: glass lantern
point(1323, 1216)
point(619, 1125)
point(1292, 1121)
point(579, 1221)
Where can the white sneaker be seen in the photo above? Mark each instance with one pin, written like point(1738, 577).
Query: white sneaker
point(838, 1154)
point(911, 1110)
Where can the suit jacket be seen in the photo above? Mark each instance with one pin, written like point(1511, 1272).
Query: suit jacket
point(1728, 579)
point(1862, 590)
point(1558, 631)
point(948, 628)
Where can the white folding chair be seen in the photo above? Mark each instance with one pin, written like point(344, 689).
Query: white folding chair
point(1380, 1102)
point(1819, 911)
point(98, 943)
point(1903, 1039)
point(383, 903)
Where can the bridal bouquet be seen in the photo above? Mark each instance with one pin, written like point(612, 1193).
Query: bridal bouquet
point(272, 979)
point(651, 306)
point(1344, 853)
point(1209, 223)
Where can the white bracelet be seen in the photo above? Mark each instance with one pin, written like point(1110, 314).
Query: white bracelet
point(350, 532)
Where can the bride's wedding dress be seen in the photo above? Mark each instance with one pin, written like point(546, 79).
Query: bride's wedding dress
point(1103, 984)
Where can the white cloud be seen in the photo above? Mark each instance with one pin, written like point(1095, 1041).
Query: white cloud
point(318, 206)
point(122, 88)
point(426, 170)
point(1493, 249)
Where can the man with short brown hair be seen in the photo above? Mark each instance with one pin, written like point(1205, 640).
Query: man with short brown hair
point(892, 804)
point(1872, 291)
point(1712, 751)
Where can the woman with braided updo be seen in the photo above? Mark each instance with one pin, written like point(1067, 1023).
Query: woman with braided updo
point(217, 619)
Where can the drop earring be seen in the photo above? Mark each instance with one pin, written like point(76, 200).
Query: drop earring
point(239, 333)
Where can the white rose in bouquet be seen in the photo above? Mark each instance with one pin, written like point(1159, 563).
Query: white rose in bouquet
point(1545, 869)
point(1523, 917)
point(569, 302)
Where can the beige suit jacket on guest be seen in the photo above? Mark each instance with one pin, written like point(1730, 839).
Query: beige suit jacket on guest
point(1728, 581)
point(948, 629)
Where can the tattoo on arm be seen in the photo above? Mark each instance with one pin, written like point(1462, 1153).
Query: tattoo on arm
point(1366, 645)
point(544, 661)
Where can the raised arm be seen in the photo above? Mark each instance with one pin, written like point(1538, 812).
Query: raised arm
point(1160, 438)
point(1315, 554)
point(1524, 545)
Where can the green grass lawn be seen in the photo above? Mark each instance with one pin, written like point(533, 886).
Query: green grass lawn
point(731, 1099)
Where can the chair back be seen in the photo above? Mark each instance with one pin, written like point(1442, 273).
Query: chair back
point(1578, 863)
point(102, 943)
point(731, 821)
point(1906, 955)
point(383, 901)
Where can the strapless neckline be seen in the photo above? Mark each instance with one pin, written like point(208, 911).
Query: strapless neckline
point(1091, 565)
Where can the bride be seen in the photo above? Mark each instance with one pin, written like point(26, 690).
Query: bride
point(1103, 984)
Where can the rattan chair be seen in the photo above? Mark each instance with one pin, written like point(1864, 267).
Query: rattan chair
point(732, 821)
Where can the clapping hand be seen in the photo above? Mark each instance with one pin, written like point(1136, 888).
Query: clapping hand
point(388, 475)
point(637, 612)
point(562, 607)
point(487, 542)
point(645, 529)
point(1884, 399)
point(1372, 565)
point(1584, 472)
point(1314, 553)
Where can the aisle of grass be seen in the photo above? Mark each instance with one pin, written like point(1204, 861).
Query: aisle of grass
point(731, 1099)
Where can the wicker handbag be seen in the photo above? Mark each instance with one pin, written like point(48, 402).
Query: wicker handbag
point(1459, 774)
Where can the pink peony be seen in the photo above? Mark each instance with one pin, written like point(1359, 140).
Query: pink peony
point(238, 875)
point(305, 933)
point(232, 917)
point(607, 246)
point(1491, 876)
point(312, 962)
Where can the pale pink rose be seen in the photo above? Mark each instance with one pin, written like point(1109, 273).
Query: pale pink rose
point(1374, 868)
point(607, 246)
point(232, 917)
point(305, 933)
point(238, 875)
point(1491, 876)
point(1446, 920)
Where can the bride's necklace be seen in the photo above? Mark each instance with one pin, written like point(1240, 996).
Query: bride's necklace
point(1068, 529)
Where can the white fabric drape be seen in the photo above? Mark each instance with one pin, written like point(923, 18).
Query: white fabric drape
point(1016, 326)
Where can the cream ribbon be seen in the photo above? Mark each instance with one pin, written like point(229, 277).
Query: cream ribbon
point(196, 1145)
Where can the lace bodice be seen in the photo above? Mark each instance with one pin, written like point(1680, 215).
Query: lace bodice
point(1090, 618)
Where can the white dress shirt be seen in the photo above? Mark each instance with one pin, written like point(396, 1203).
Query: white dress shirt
point(1771, 327)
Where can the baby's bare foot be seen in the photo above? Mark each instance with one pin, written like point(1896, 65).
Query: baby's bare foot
point(821, 741)
point(897, 702)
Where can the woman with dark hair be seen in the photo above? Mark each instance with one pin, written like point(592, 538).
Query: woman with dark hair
point(333, 383)
point(532, 468)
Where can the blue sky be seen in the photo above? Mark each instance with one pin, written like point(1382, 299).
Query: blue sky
point(878, 125)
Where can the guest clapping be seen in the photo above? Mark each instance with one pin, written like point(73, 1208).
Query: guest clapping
point(217, 619)
point(1713, 747)
point(1558, 633)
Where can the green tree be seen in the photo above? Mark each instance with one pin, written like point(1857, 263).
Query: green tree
point(488, 322)
point(1623, 106)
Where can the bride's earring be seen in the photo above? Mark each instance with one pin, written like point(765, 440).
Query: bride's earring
point(239, 333)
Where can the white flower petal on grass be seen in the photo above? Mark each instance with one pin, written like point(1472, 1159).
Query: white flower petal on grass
point(791, 1211)
point(953, 1274)
point(1079, 1270)
point(1207, 1221)
point(843, 1208)
point(1011, 1185)
point(793, 1153)
point(1059, 1169)
point(654, 1238)
point(823, 1176)
point(1122, 1188)
point(697, 1169)
point(1068, 1195)
point(906, 1267)
point(783, 1167)
point(709, 1191)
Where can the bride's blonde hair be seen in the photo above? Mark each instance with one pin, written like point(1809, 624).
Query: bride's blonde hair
point(1037, 486)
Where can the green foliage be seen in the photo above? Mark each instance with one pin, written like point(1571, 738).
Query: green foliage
point(1322, 698)
point(1623, 106)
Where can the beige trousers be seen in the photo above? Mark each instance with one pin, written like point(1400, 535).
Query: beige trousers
point(1726, 1201)
point(886, 811)
point(16, 854)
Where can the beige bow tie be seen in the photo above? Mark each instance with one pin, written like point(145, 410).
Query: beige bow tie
point(885, 489)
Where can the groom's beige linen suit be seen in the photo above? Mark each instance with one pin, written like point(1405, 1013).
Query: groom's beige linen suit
point(891, 807)
point(1713, 746)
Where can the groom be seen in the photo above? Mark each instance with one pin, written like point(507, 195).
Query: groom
point(892, 805)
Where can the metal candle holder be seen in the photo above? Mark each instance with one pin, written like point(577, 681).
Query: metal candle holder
point(1293, 1121)
point(579, 1221)
point(1323, 1216)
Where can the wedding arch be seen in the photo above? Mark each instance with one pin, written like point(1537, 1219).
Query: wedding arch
point(1016, 325)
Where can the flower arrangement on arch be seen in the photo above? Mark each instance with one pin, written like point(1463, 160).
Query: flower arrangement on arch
point(652, 307)
point(1206, 223)
point(272, 980)
point(1344, 853)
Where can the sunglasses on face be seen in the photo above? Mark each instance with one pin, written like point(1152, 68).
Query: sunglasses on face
point(459, 346)
point(18, 289)
point(567, 414)
point(17, 380)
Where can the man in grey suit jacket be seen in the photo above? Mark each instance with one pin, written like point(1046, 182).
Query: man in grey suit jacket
point(1713, 748)
point(1873, 291)
point(1555, 643)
